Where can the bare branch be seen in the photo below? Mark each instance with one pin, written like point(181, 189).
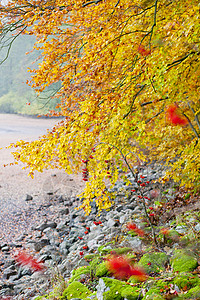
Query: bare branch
point(91, 2)
point(195, 115)
point(180, 60)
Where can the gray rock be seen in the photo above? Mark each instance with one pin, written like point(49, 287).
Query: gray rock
point(101, 288)
point(134, 242)
point(42, 243)
point(29, 198)
point(5, 248)
point(65, 245)
point(45, 225)
point(10, 271)
point(197, 227)
point(64, 211)
point(92, 245)
point(23, 271)
point(181, 229)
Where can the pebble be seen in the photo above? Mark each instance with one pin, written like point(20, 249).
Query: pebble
point(59, 241)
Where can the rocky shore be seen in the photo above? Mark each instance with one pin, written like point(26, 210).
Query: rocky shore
point(63, 237)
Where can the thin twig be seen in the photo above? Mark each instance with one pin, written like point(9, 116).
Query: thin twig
point(195, 115)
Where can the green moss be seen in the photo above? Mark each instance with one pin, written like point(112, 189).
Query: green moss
point(183, 261)
point(101, 270)
point(187, 196)
point(89, 256)
point(161, 284)
point(115, 289)
point(76, 290)
point(102, 249)
point(119, 290)
point(173, 234)
point(153, 294)
point(76, 274)
point(94, 264)
point(154, 297)
point(130, 293)
point(193, 293)
point(153, 262)
point(155, 288)
point(133, 279)
point(123, 250)
point(188, 280)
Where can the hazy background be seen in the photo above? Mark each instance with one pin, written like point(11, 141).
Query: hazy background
point(14, 92)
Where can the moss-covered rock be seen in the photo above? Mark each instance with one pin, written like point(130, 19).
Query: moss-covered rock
point(131, 293)
point(101, 270)
point(76, 274)
point(89, 257)
point(122, 250)
point(76, 290)
point(186, 280)
point(193, 293)
point(104, 249)
point(94, 265)
point(156, 288)
point(153, 295)
point(183, 261)
point(119, 290)
point(153, 262)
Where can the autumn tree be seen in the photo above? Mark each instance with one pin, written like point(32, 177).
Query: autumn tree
point(129, 75)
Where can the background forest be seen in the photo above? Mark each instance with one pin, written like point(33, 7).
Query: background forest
point(15, 95)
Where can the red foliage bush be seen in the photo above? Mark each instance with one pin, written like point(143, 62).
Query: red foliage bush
point(122, 269)
point(133, 227)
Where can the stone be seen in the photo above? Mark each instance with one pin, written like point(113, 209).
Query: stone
point(5, 248)
point(101, 288)
point(197, 227)
point(76, 290)
point(181, 229)
point(183, 261)
point(10, 271)
point(64, 211)
point(29, 198)
point(153, 262)
point(134, 242)
point(42, 243)
point(46, 225)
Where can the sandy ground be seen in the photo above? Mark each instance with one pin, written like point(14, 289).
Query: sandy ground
point(15, 183)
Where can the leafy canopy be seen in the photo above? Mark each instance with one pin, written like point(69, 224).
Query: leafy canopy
point(121, 66)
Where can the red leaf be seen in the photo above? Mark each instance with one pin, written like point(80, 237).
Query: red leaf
point(174, 116)
point(27, 260)
point(143, 51)
point(133, 227)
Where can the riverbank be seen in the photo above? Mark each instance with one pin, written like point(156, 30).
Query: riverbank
point(15, 184)
point(73, 247)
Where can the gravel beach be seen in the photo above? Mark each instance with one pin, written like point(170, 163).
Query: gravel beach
point(16, 214)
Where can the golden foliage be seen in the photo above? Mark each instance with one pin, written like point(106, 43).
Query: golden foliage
point(120, 64)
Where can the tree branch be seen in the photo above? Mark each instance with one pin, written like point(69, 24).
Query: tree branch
point(195, 115)
point(91, 2)
point(180, 60)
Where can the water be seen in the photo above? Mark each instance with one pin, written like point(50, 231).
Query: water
point(14, 127)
